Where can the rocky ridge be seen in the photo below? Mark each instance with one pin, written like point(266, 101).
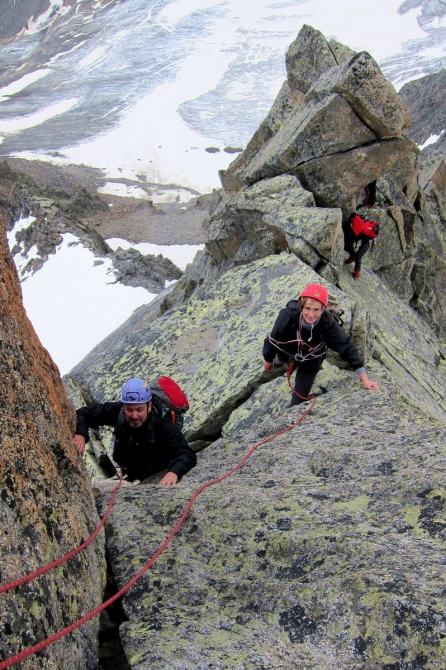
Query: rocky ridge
point(326, 549)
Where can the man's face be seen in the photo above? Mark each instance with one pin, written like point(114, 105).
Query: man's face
point(137, 414)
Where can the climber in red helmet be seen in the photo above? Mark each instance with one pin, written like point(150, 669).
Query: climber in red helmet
point(303, 332)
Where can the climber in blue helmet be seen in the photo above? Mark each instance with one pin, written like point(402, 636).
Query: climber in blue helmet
point(145, 442)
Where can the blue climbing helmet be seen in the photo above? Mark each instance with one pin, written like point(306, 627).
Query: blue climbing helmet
point(135, 393)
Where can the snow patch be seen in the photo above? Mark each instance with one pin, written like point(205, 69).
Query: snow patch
point(74, 304)
point(23, 82)
point(32, 120)
point(123, 190)
point(95, 55)
point(432, 139)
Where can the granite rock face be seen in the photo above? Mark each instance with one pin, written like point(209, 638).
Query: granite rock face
point(323, 551)
point(330, 109)
point(46, 504)
point(326, 548)
point(339, 128)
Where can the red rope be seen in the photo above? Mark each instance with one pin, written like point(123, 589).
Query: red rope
point(302, 397)
point(59, 561)
point(90, 615)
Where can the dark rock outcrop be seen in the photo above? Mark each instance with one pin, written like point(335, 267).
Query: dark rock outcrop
point(53, 212)
point(150, 272)
point(46, 504)
point(16, 15)
point(425, 99)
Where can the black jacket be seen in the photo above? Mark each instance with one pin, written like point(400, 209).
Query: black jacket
point(157, 445)
point(326, 330)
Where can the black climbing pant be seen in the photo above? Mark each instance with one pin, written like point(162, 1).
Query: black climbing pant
point(302, 385)
point(349, 246)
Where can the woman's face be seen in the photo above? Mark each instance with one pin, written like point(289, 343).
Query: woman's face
point(312, 310)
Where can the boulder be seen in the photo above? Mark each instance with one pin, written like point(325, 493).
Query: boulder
point(328, 127)
point(336, 178)
point(372, 97)
point(349, 122)
point(249, 217)
point(151, 272)
point(314, 234)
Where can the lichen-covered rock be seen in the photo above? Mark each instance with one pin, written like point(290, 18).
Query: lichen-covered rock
point(429, 283)
point(255, 215)
point(216, 337)
point(325, 550)
point(341, 52)
point(314, 233)
point(334, 179)
point(212, 345)
point(403, 343)
point(373, 98)
point(46, 504)
point(326, 127)
point(307, 58)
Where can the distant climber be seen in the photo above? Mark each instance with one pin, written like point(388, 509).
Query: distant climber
point(145, 442)
point(303, 332)
point(359, 233)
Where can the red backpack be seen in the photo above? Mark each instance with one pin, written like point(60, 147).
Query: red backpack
point(168, 398)
point(362, 227)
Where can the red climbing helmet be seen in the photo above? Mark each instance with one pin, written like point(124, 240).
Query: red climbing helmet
point(317, 292)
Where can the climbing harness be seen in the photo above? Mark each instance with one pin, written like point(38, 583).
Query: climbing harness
point(90, 615)
point(305, 352)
